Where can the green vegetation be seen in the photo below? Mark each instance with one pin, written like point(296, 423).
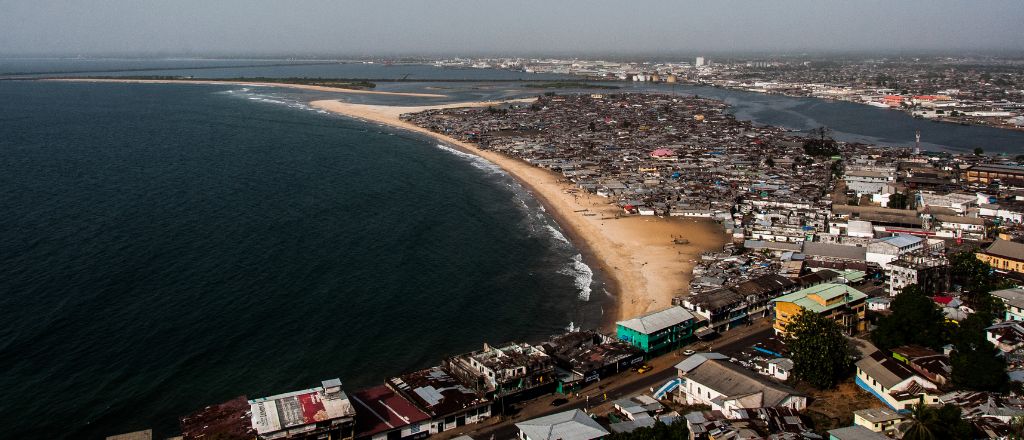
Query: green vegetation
point(976, 365)
point(820, 352)
point(978, 151)
point(821, 147)
point(898, 201)
point(660, 431)
point(571, 85)
point(933, 423)
point(915, 319)
point(977, 279)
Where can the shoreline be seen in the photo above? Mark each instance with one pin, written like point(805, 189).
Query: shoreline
point(246, 83)
point(642, 267)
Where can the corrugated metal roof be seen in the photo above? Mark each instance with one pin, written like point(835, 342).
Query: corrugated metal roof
point(696, 360)
point(569, 425)
point(657, 321)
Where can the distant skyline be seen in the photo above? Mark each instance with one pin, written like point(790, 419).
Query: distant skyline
point(466, 27)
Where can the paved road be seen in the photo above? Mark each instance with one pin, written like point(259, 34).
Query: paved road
point(616, 387)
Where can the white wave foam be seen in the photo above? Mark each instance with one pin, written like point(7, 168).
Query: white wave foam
point(582, 275)
point(557, 234)
point(477, 161)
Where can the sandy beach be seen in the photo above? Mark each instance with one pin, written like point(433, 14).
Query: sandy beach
point(247, 83)
point(646, 269)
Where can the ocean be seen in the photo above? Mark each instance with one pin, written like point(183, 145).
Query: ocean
point(165, 247)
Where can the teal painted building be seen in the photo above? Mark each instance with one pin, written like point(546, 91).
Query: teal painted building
point(658, 332)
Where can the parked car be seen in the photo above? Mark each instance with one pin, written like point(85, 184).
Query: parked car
point(559, 402)
point(644, 369)
point(689, 353)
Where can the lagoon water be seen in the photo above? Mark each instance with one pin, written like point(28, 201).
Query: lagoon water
point(164, 247)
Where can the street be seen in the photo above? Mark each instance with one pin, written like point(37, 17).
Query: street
point(623, 385)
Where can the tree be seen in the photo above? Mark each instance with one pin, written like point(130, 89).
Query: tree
point(820, 352)
point(915, 319)
point(934, 423)
point(976, 365)
point(977, 279)
point(770, 162)
point(898, 201)
point(660, 431)
point(978, 151)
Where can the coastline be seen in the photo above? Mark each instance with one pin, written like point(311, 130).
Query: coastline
point(246, 83)
point(645, 269)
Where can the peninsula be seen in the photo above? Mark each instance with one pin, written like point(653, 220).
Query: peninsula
point(315, 85)
point(646, 267)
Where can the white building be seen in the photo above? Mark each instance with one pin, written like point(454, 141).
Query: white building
point(894, 383)
point(1013, 299)
point(929, 273)
point(710, 379)
point(886, 250)
point(881, 419)
point(779, 368)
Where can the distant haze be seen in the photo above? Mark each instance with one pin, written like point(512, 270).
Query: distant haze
point(434, 27)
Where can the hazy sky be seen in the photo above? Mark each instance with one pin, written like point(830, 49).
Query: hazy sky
point(512, 26)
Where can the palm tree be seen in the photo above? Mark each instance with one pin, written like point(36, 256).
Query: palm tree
point(920, 425)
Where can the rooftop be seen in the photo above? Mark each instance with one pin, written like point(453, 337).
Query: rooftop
point(1006, 249)
point(297, 408)
point(827, 292)
point(731, 380)
point(878, 415)
point(569, 425)
point(887, 371)
point(658, 321)
point(435, 391)
point(228, 420)
point(379, 409)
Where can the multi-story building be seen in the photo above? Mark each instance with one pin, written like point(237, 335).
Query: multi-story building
point(930, 273)
point(1013, 299)
point(885, 250)
point(324, 412)
point(727, 308)
point(658, 332)
point(987, 174)
point(448, 402)
point(588, 356)
point(504, 370)
point(894, 383)
point(1004, 256)
point(710, 379)
point(838, 302)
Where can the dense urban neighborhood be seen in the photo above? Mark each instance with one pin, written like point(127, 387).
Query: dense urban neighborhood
point(880, 289)
point(962, 90)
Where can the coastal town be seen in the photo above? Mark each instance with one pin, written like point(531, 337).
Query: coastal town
point(965, 90)
point(905, 266)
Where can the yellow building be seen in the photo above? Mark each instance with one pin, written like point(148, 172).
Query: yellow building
point(1004, 255)
point(839, 302)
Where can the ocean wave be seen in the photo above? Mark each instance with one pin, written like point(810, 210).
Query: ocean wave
point(582, 275)
point(557, 234)
point(477, 161)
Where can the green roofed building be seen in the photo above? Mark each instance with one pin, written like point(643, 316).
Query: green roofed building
point(658, 332)
point(840, 302)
